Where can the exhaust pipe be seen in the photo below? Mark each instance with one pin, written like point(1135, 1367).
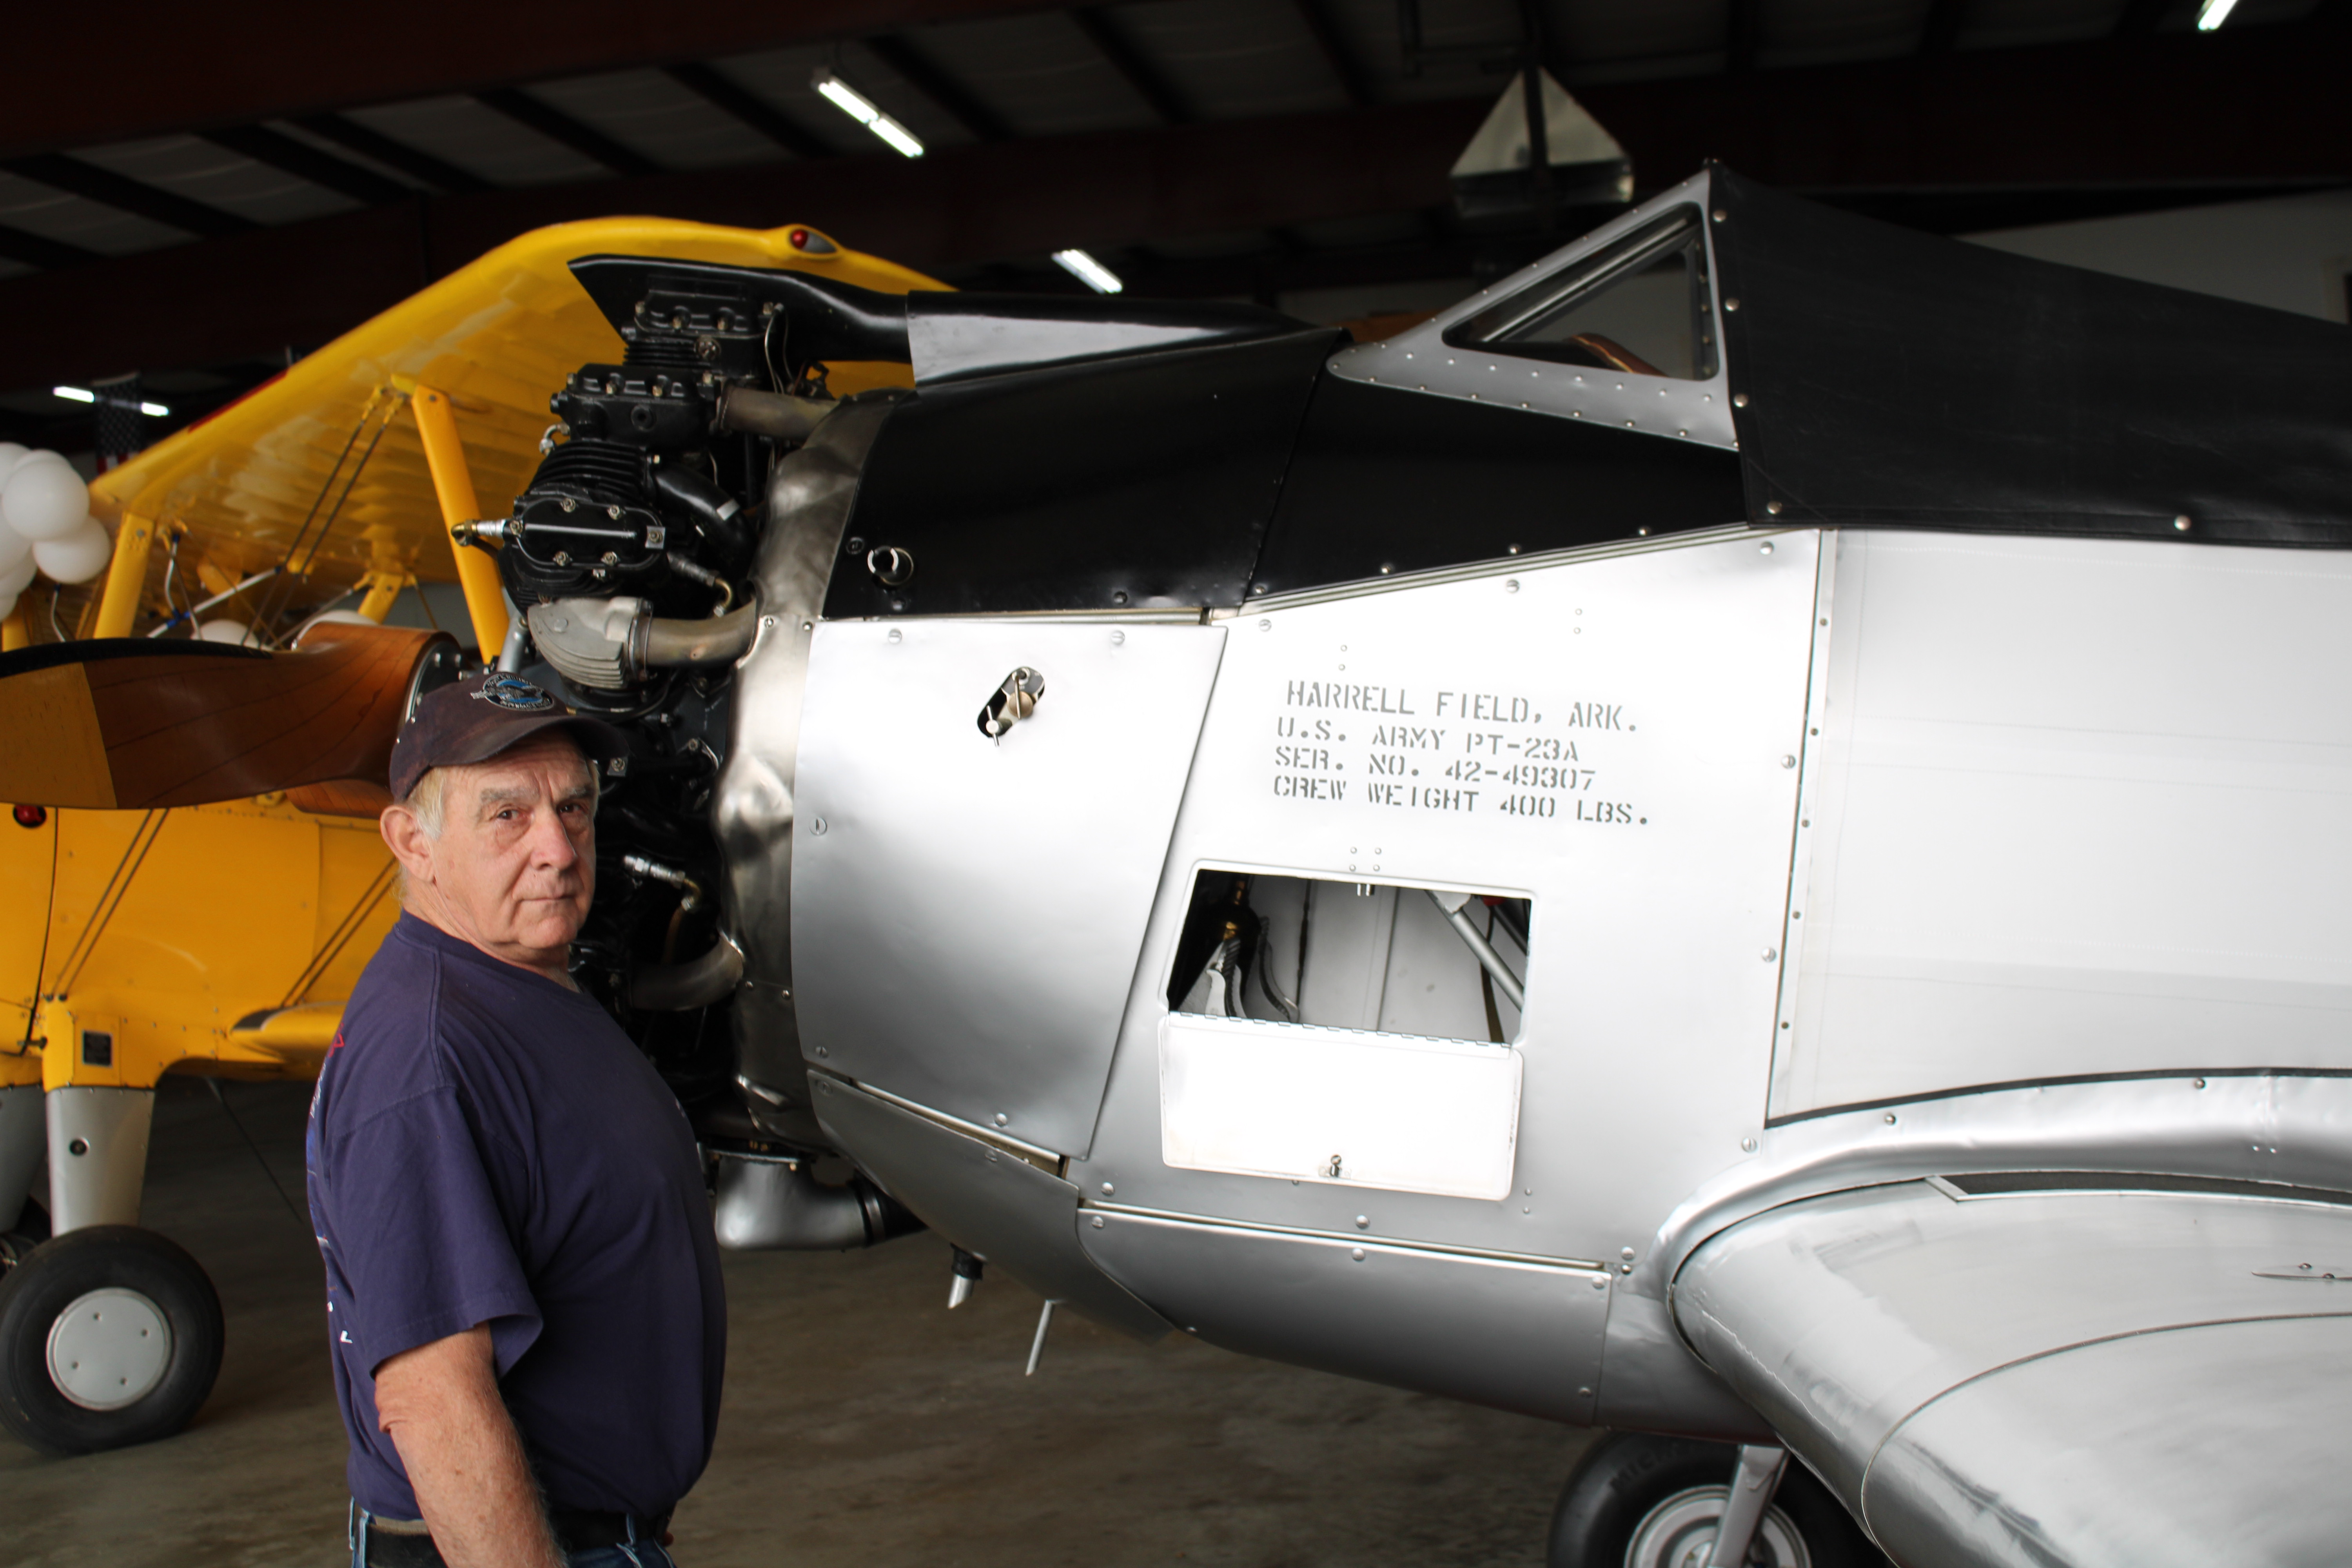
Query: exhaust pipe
point(775, 1203)
point(747, 411)
point(657, 643)
point(697, 982)
point(613, 643)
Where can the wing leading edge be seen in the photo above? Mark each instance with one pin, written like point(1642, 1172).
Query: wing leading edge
point(2069, 1377)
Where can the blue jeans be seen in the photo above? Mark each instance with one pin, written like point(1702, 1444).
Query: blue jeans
point(646, 1554)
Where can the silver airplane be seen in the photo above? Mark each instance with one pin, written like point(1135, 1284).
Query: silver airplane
point(1744, 839)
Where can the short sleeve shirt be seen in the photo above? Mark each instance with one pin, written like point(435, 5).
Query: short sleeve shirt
point(486, 1146)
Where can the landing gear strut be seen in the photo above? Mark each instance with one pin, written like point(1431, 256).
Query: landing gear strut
point(1639, 1502)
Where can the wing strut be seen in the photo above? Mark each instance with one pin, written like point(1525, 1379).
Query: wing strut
point(453, 482)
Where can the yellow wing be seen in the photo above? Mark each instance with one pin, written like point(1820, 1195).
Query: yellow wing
point(103, 935)
point(321, 468)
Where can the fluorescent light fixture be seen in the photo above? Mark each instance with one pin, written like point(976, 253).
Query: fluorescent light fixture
point(84, 395)
point(1089, 271)
point(2213, 13)
point(855, 105)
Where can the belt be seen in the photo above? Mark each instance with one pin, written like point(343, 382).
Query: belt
point(405, 1542)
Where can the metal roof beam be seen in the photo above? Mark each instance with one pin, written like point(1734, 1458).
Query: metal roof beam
point(40, 250)
point(1319, 27)
point(1336, 267)
point(1743, 36)
point(952, 98)
point(557, 126)
point(738, 102)
point(1939, 34)
point(369, 143)
point(294, 57)
point(305, 283)
point(1139, 73)
point(2073, 115)
point(123, 193)
point(304, 162)
point(2080, 118)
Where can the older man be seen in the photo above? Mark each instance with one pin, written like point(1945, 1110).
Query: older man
point(522, 1289)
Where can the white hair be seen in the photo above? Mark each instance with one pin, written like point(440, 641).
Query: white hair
point(427, 800)
point(425, 803)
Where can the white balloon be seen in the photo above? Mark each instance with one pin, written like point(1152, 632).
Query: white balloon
point(16, 578)
point(11, 454)
point(79, 556)
point(44, 500)
point(227, 631)
point(14, 547)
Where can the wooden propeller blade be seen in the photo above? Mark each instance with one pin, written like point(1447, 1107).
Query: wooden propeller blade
point(126, 722)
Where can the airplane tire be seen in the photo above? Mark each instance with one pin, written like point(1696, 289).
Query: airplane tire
point(108, 1336)
point(1641, 1501)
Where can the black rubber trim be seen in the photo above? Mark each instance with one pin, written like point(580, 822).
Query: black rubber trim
point(827, 320)
point(2053, 1083)
point(1890, 378)
point(98, 650)
point(1996, 1184)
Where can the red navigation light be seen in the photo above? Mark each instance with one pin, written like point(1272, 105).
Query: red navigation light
point(31, 816)
point(800, 239)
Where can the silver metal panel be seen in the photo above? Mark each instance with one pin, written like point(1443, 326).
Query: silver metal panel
point(1650, 1380)
point(1480, 571)
point(1810, 819)
point(2084, 807)
point(24, 1135)
point(2257, 1127)
point(1841, 1317)
point(967, 912)
point(809, 500)
point(1384, 1112)
point(1650, 991)
point(2213, 1443)
point(98, 1155)
point(1513, 1334)
point(1420, 361)
point(951, 343)
point(986, 1200)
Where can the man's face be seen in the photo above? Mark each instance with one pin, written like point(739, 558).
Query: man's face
point(515, 864)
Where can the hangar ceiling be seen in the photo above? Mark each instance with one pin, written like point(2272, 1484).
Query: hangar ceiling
point(232, 196)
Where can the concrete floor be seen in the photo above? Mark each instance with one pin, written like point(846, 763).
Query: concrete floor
point(864, 1424)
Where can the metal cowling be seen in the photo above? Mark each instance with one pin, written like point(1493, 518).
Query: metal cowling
point(698, 983)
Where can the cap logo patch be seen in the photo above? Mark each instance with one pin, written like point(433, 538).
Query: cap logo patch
point(515, 694)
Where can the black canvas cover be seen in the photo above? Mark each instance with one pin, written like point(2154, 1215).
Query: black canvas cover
point(1895, 379)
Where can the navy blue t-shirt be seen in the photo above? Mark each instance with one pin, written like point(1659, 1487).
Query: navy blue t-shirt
point(486, 1146)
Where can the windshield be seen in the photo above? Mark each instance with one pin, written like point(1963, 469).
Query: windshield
point(1640, 304)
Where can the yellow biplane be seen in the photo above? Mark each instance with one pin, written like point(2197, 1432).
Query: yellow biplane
point(121, 961)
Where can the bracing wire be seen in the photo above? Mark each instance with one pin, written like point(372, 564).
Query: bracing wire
point(263, 1159)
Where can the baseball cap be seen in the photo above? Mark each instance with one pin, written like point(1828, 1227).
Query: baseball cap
point(474, 720)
